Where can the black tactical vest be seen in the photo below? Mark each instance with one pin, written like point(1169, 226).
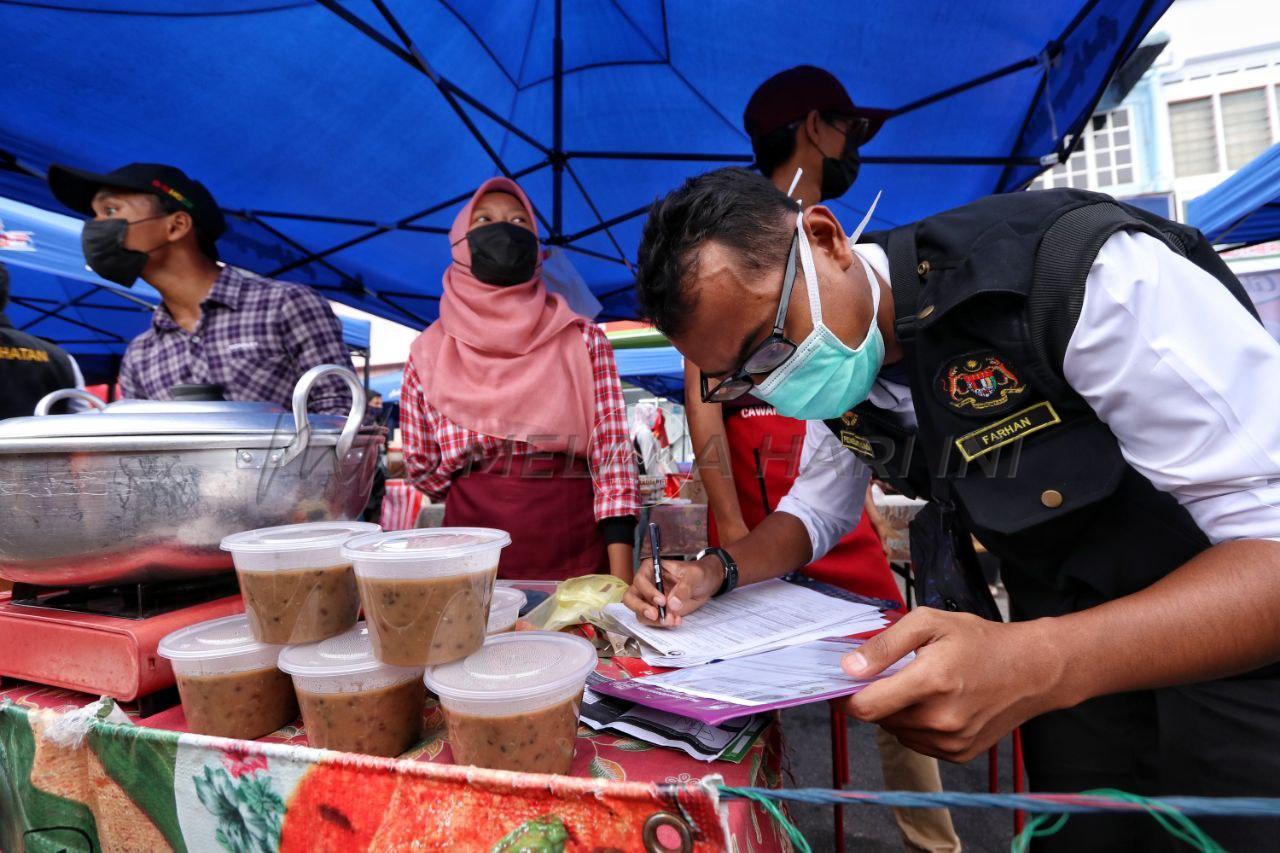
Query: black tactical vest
point(29, 368)
point(987, 296)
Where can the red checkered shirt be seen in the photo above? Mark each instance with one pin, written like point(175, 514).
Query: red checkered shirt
point(435, 448)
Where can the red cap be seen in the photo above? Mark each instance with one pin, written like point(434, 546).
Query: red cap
point(790, 95)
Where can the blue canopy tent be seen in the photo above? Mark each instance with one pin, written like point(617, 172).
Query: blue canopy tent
point(658, 370)
point(52, 294)
point(342, 135)
point(1245, 208)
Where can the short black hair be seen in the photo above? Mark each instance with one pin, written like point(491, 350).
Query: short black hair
point(735, 207)
point(776, 147)
point(4, 287)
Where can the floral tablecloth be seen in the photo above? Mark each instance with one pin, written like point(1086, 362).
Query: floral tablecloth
point(151, 786)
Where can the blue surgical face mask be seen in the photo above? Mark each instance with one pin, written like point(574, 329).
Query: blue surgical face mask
point(826, 378)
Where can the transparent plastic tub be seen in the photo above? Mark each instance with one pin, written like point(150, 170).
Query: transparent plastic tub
point(505, 608)
point(228, 681)
point(297, 586)
point(350, 701)
point(426, 593)
point(513, 705)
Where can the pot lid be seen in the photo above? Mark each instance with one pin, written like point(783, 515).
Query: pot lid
point(167, 417)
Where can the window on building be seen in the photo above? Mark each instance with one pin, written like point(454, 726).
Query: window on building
point(1103, 157)
point(1195, 140)
point(1246, 127)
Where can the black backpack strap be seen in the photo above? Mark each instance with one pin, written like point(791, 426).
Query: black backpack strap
point(904, 281)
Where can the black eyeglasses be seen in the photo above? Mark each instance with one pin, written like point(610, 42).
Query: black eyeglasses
point(769, 354)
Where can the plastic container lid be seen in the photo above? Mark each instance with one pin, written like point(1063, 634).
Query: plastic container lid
point(314, 545)
point(504, 609)
point(514, 672)
point(342, 664)
point(430, 552)
point(219, 645)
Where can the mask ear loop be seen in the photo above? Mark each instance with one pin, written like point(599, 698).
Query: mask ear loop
point(811, 275)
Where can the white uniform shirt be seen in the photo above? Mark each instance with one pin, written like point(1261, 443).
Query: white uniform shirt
point(1187, 381)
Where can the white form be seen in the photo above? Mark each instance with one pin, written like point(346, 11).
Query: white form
point(812, 669)
point(753, 617)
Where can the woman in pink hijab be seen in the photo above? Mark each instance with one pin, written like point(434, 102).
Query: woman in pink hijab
point(511, 407)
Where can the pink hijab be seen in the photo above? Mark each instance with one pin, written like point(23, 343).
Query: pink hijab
point(508, 362)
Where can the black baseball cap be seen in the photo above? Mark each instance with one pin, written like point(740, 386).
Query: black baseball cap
point(790, 95)
point(76, 188)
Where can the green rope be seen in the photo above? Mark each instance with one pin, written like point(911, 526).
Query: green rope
point(795, 835)
point(1171, 821)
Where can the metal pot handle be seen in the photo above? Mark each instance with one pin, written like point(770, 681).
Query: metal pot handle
point(48, 401)
point(302, 426)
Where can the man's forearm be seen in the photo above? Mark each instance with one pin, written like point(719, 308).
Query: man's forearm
point(778, 545)
point(1214, 616)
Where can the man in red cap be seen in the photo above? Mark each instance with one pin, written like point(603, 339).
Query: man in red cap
point(803, 118)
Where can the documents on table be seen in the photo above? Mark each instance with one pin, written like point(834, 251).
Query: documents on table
point(770, 615)
point(742, 686)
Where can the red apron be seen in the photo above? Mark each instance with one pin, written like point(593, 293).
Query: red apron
point(546, 503)
point(764, 452)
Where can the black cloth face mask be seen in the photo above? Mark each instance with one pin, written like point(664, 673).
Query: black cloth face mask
point(838, 174)
point(503, 254)
point(102, 241)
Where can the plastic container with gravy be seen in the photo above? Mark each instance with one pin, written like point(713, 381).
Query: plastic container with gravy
point(351, 702)
point(297, 586)
point(228, 681)
point(426, 592)
point(513, 705)
point(505, 608)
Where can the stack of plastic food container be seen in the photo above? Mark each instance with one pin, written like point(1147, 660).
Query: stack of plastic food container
point(505, 609)
point(228, 681)
point(426, 593)
point(297, 586)
point(513, 705)
point(352, 702)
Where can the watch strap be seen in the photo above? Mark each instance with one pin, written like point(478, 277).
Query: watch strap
point(730, 582)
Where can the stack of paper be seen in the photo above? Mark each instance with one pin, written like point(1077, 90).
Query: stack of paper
point(757, 618)
point(699, 740)
point(744, 686)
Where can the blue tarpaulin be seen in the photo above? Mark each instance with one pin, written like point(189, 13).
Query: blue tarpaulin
point(659, 370)
point(342, 135)
point(53, 295)
point(1245, 208)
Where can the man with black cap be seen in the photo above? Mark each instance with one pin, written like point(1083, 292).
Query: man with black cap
point(30, 367)
point(802, 118)
point(218, 325)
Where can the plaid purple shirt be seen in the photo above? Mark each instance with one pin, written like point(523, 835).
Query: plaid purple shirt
point(255, 338)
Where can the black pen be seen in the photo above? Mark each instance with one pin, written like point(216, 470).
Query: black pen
point(657, 567)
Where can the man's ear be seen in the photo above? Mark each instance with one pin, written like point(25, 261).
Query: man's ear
point(826, 235)
point(810, 128)
point(180, 225)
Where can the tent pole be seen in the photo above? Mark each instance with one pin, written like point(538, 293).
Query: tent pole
point(557, 125)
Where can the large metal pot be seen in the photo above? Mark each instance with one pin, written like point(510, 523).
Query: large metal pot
point(145, 490)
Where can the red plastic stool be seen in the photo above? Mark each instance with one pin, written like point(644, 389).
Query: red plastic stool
point(840, 774)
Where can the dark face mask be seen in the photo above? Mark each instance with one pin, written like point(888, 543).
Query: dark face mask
point(839, 174)
point(503, 254)
point(102, 241)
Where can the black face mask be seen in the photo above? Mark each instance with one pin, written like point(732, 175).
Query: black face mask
point(503, 254)
point(102, 241)
point(839, 174)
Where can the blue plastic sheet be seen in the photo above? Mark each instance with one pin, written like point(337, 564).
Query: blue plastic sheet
point(342, 139)
point(1245, 208)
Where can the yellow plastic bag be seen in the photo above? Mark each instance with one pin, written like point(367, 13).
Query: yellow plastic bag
point(577, 600)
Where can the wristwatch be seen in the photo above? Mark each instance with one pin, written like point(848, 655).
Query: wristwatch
point(730, 582)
